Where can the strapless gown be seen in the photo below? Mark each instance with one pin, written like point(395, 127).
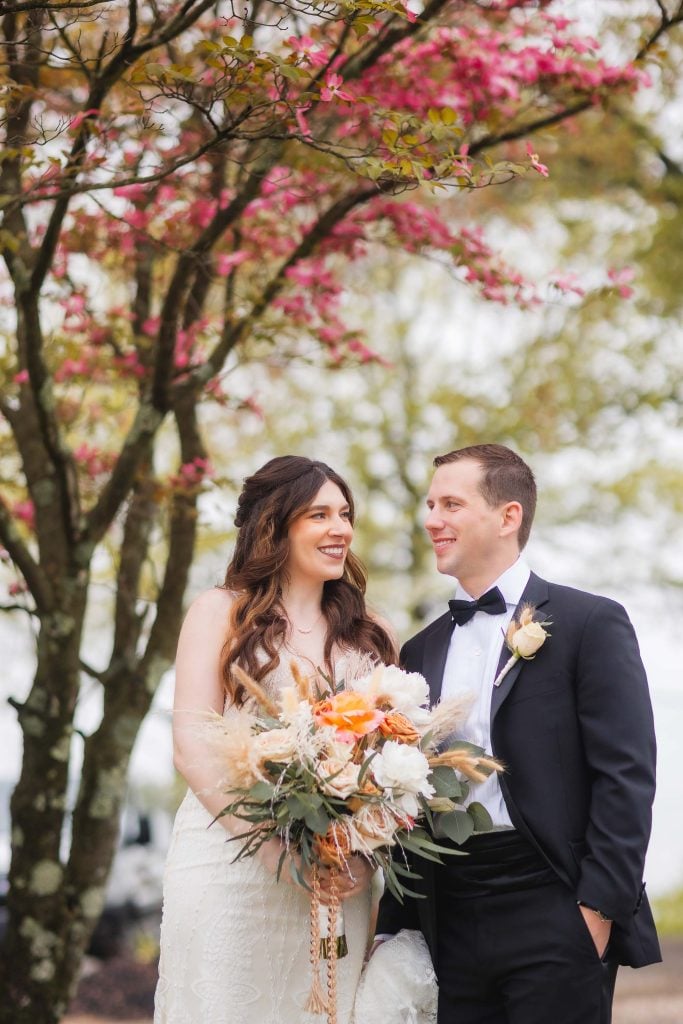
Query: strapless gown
point(234, 941)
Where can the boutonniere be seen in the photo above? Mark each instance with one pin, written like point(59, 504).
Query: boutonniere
point(524, 637)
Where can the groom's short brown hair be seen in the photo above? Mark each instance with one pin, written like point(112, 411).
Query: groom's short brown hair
point(506, 477)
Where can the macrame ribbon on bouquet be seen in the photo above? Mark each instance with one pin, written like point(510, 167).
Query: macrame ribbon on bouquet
point(318, 1001)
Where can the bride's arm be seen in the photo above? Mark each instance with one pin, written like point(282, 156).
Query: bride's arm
point(199, 689)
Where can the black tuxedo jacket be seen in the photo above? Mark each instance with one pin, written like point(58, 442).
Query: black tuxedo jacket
point(575, 732)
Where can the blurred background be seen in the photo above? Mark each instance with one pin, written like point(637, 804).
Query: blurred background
point(587, 384)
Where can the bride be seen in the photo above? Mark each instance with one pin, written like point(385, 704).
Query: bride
point(234, 940)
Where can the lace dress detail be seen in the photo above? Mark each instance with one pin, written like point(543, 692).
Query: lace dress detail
point(234, 941)
point(398, 985)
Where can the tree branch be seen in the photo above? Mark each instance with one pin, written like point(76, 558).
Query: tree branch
point(23, 6)
point(140, 519)
point(233, 333)
point(182, 535)
point(36, 580)
point(666, 22)
point(136, 448)
point(127, 54)
point(182, 276)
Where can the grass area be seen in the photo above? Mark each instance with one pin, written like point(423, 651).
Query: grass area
point(668, 911)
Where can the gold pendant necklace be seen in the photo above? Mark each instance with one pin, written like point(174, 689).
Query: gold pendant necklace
point(305, 629)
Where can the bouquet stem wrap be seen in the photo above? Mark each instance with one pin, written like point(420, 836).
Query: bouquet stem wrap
point(330, 946)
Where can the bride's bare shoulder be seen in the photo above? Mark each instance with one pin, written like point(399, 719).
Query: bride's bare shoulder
point(214, 603)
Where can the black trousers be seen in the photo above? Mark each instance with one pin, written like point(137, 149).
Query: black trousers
point(513, 947)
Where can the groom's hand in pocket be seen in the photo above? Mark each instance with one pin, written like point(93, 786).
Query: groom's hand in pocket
point(599, 928)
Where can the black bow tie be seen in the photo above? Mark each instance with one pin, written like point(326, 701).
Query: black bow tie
point(492, 602)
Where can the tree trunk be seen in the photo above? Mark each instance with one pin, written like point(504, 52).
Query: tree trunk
point(35, 942)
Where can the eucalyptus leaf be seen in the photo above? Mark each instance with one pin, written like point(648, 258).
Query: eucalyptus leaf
point(480, 816)
point(261, 791)
point(446, 782)
point(457, 825)
point(317, 820)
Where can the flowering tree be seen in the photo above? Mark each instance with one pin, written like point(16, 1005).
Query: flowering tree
point(181, 188)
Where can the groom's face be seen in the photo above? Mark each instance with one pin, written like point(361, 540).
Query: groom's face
point(464, 529)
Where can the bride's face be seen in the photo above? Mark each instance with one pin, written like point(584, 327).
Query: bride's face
point(319, 539)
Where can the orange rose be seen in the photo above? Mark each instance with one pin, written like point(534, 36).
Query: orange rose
point(335, 846)
point(350, 713)
point(398, 727)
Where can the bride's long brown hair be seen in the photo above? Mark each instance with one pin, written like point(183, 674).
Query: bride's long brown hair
point(270, 501)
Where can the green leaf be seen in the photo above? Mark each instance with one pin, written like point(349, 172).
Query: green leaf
point(446, 782)
point(403, 871)
point(458, 826)
point(467, 748)
point(317, 820)
point(364, 768)
point(296, 806)
point(480, 816)
point(261, 791)
point(294, 74)
point(280, 863)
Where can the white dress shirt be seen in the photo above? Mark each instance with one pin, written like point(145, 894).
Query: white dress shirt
point(471, 665)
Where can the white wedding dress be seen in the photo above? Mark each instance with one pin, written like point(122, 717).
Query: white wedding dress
point(234, 941)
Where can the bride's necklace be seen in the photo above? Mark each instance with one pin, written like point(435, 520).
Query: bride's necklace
point(305, 629)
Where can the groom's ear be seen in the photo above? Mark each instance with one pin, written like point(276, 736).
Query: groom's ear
point(511, 518)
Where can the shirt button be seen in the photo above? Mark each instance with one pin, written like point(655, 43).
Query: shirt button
point(477, 652)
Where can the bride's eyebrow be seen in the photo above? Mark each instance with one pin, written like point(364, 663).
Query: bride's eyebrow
point(326, 508)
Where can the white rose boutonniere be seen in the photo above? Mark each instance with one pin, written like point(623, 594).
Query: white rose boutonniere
point(525, 636)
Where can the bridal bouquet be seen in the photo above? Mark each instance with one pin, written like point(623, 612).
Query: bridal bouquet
point(337, 770)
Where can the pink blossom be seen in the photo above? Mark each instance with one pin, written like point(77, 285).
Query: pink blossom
point(568, 282)
point(305, 46)
point(332, 89)
point(78, 120)
point(25, 512)
point(93, 460)
point(301, 121)
point(21, 377)
point(192, 474)
point(151, 325)
point(166, 194)
point(226, 262)
point(133, 192)
point(74, 304)
point(138, 219)
point(621, 278)
point(252, 405)
point(130, 365)
point(533, 159)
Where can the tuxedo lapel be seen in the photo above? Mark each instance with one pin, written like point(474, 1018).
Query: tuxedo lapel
point(436, 651)
point(536, 594)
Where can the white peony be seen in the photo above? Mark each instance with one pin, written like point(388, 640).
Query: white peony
point(404, 770)
point(407, 692)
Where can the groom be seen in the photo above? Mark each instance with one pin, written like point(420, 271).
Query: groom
point(530, 927)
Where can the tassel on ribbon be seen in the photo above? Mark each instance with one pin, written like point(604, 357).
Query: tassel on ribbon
point(316, 1002)
point(331, 947)
point(333, 910)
